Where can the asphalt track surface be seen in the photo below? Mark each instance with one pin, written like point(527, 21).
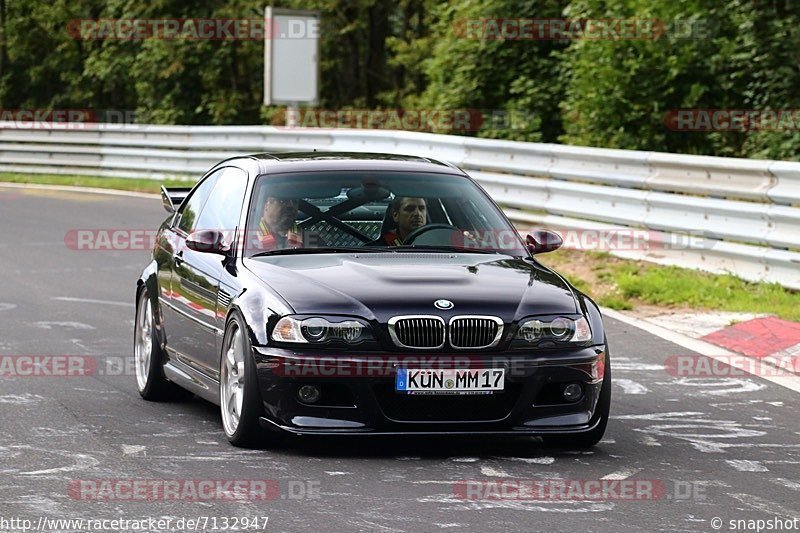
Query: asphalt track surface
point(726, 448)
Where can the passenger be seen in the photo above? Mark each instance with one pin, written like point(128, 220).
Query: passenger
point(277, 228)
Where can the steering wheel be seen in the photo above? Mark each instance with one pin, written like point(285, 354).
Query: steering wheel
point(422, 230)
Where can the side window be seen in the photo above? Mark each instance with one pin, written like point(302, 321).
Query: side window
point(224, 205)
point(195, 202)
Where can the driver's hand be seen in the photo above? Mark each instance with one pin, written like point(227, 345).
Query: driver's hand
point(469, 236)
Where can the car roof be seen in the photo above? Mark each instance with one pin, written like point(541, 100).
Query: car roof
point(275, 163)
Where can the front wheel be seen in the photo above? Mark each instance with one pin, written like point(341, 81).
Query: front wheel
point(240, 400)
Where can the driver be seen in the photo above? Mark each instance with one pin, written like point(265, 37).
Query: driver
point(408, 214)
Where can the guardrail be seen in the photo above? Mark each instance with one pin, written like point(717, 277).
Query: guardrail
point(747, 211)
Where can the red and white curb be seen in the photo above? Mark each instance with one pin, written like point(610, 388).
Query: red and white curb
point(764, 338)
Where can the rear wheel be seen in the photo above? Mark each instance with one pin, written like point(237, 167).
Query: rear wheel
point(149, 357)
point(240, 400)
point(602, 411)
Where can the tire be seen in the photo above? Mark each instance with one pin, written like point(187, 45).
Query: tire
point(590, 438)
point(239, 396)
point(149, 357)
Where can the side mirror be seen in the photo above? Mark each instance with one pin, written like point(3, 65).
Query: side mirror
point(208, 241)
point(542, 240)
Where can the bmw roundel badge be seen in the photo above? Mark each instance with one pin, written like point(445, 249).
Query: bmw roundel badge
point(443, 304)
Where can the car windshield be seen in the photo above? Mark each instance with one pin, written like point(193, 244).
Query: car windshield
point(320, 212)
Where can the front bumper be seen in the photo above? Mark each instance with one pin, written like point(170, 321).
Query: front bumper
point(358, 396)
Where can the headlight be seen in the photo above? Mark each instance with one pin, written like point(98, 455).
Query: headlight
point(318, 330)
point(558, 329)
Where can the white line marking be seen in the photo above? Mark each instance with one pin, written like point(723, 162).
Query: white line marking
point(630, 387)
point(7, 307)
point(554, 506)
point(760, 504)
point(132, 449)
point(20, 399)
point(529, 460)
point(625, 473)
point(704, 348)
point(648, 440)
point(492, 472)
point(624, 365)
point(81, 461)
point(744, 465)
point(63, 324)
point(787, 483)
point(712, 385)
point(91, 301)
point(672, 415)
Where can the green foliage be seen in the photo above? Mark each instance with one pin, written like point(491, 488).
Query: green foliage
point(518, 77)
point(670, 286)
point(415, 54)
point(741, 55)
point(96, 182)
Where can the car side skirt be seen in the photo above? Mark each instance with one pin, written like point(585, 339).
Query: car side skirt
point(192, 380)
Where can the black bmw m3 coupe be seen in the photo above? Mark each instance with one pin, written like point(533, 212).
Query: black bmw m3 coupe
point(364, 294)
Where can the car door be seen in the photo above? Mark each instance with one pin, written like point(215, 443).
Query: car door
point(185, 329)
point(221, 212)
point(195, 327)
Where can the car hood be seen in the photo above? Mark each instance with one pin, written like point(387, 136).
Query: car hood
point(382, 285)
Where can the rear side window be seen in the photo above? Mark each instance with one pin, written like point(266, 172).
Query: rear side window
point(224, 205)
point(194, 203)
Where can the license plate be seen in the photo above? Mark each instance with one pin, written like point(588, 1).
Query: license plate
point(449, 381)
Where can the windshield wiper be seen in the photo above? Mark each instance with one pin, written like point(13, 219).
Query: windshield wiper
point(319, 250)
point(462, 249)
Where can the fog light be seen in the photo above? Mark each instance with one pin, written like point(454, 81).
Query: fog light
point(572, 392)
point(309, 394)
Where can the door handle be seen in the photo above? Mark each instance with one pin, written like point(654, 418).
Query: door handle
point(179, 259)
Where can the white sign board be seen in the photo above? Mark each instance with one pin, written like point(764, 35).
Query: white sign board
point(291, 57)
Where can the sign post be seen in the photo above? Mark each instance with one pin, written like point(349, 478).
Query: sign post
point(291, 59)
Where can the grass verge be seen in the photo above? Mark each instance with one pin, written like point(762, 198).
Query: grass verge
point(123, 184)
point(624, 284)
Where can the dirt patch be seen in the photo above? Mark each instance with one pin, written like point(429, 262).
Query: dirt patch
point(595, 273)
point(591, 273)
